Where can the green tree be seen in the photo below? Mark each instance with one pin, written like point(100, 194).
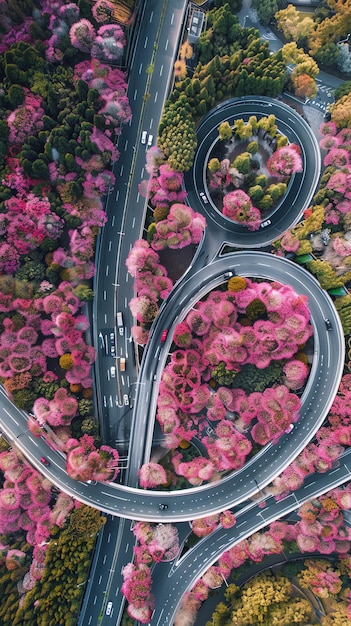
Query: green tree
point(4, 133)
point(343, 307)
point(266, 9)
point(151, 231)
point(160, 213)
point(243, 162)
point(266, 202)
point(225, 131)
point(40, 169)
point(90, 426)
point(24, 399)
point(275, 192)
point(343, 90)
point(250, 378)
point(221, 616)
point(16, 95)
point(47, 390)
point(222, 375)
point(234, 5)
point(242, 130)
point(214, 165)
point(84, 293)
point(325, 274)
point(57, 595)
point(305, 247)
point(261, 180)
point(256, 194)
point(177, 137)
point(252, 147)
point(31, 271)
point(327, 55)
point(256, 309)
point(85, 407)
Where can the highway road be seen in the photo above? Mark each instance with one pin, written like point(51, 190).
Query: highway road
point(110, 555)
point(300, 190)
point(156, 47)
point(121, 235)
point(156, 44)
point(315, 402)
point(171, 581)
point(122, 229)
point(133, 503)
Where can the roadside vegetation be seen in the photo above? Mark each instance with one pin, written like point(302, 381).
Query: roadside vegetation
point(258, 164)
point(236, 363)
point(61, 108)
point(331, 440)
point(318, 587)
point(323, 239)
point(62, 104)
point(300, 592)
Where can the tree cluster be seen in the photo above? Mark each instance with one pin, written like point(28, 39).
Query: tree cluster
point(318, 33)
point(329, 443)
point(243, 187)
point(324, 234)
point(232, 62)
point(61, 108)
point(58, 127)
point(152, 285)
point(85, 461)
point(268, 598)
point(255, 325)
point(57, 596)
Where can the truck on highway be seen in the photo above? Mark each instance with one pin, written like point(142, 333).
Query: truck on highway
point(122, 364)
point(119, 318)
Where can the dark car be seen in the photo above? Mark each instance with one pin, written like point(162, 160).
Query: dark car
point(327, 113)
point(44, 461)
point(164, 335)
point(163, 507)
point(328, 324)
point(112, 344)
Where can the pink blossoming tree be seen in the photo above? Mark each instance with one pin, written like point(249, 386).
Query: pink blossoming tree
point(285, 162)
point(211, 340)
point(86, 462)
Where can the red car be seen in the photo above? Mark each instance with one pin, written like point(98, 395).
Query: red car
point(164, 335)
point(44, 461)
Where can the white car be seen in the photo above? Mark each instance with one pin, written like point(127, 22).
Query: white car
point(126, 399)
point(109, 608)
point(149, 141)
point(113, 372)
point(143, 136)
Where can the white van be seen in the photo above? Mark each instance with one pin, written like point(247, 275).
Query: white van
point(149, 141)
point(143, 136)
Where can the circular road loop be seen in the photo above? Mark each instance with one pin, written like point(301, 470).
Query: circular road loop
point(300, 190)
